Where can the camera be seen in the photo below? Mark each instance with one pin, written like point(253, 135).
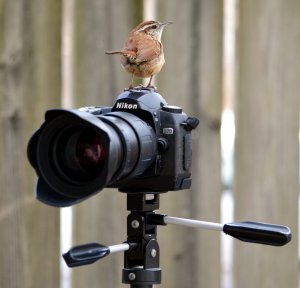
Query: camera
point(140, 144)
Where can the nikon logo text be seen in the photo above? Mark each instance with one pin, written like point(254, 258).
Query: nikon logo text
point(124, 105)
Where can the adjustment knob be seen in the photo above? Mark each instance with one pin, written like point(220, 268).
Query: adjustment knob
point(162, 144)
point(172, 109)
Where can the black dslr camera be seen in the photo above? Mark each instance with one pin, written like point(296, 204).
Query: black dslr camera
point(141, 144)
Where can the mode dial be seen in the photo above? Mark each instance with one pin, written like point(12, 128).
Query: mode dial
point(172, 109)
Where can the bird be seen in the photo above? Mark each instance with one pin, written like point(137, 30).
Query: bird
point(142, 54)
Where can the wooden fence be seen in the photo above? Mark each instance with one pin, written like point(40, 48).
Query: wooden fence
point(266, 181)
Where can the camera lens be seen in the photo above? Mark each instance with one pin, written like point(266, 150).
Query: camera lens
point(79, 153)
point(76, 154)
point(90, 152)
point(75, 157)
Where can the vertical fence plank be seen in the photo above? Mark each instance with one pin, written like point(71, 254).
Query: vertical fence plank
point(192, 79)
point(266, 171)
point(99, 78)
point(29, 83)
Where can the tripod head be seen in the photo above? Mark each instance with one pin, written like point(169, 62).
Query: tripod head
point(141, 258)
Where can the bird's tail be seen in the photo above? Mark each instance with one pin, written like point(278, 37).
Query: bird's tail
point(114, 52)
point(128, 54)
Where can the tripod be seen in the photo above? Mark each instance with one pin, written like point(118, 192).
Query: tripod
point(141, 250)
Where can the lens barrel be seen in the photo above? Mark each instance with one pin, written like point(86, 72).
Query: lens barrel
point(76, 154)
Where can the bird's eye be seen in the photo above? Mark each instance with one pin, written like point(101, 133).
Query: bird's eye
point(154, 26)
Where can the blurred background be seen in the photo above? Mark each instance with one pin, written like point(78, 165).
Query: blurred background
point(234, 64)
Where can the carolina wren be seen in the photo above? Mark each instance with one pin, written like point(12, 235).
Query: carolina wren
point(142, 54)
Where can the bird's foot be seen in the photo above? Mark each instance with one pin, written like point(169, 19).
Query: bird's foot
point(150, 87)
point(141, 87)
point(131, 87)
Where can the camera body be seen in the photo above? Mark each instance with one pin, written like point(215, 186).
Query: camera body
point(141, 144)
point(171, 168)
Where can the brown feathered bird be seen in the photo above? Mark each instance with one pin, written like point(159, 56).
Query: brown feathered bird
point(142, 55)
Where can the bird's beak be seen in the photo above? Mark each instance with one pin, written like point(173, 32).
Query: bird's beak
point(164, 24)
